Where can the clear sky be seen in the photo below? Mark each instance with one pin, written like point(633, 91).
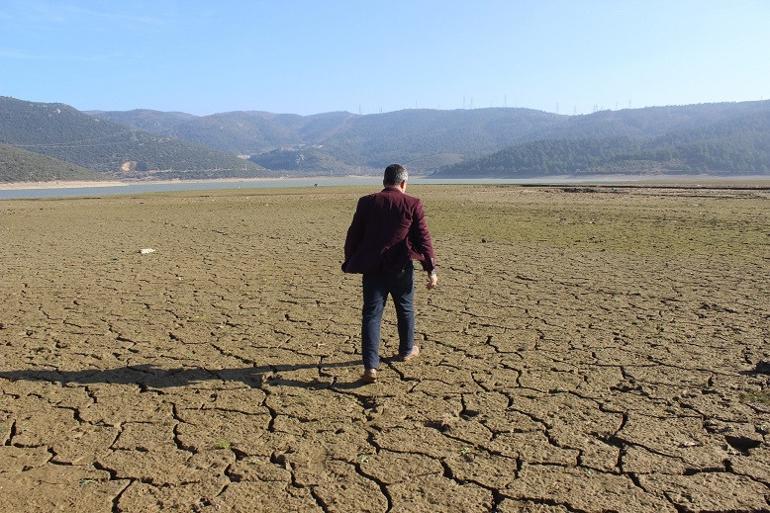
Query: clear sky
point(316, 56)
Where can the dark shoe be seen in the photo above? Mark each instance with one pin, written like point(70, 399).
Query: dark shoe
point(369, 376)
point(411, 355)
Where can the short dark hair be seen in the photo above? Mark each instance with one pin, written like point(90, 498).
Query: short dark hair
point(395, 174)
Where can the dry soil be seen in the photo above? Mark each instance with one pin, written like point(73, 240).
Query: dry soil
point(587, 350)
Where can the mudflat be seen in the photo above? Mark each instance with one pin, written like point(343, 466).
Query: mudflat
point(587, 350)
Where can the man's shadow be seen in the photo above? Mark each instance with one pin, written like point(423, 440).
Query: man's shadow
point(149, 376)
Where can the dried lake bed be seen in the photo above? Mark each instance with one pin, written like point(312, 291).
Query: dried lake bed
point(589, 349)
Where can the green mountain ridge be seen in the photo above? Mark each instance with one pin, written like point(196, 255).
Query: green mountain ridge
point(427, 139)
point(647, 122)
point(450, 142)
point(308, 160)
point(735, 146)
point(64, 133)
point(153, 121)
point(240, 132)
point(18, 165)
point(424, 139)
point(717, 138)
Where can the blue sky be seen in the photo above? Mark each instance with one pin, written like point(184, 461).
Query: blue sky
point(316, 56)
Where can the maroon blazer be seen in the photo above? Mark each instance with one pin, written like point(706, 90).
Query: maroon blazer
point(388, 232)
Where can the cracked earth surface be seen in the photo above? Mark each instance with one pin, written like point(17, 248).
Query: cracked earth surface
point(584, 352)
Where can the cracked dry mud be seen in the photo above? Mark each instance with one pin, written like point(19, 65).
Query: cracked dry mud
point(584, 352)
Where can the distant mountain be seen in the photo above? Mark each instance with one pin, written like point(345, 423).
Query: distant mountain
point(647, 122)
point(736, 142)
point(17, 165)
point(459, 142)
point(306, 160)
point(727, 138)
point(242, 132)
point(62, 132)
point(153, 121)
point(424, 139)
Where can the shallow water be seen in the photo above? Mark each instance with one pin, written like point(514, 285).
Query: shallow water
point(279, 183)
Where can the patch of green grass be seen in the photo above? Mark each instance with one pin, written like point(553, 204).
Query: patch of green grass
point(224, 444)
point(756, 396)
point(636, 223)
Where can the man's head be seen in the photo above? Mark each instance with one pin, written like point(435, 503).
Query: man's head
point(395, 176)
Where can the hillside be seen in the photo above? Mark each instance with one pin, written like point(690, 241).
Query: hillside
point(244, 133)
point(647, 122)
point(726, 138)
point(737, 146)
point(306, 160)
point(424, 139)
point(241, 132)
point(153, 121)
point(427, 140)
point(65, 133)
point(17, 165)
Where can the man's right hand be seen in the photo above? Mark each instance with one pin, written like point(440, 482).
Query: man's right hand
point(432, 281)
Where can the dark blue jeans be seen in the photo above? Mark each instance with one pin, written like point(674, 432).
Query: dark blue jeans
point(377, 286)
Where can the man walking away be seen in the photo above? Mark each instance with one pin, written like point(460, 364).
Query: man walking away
point(388, 232)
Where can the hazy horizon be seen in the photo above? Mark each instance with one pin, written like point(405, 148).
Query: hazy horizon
point(566, 114)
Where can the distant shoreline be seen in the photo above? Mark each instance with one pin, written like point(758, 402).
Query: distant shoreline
point(561, 180)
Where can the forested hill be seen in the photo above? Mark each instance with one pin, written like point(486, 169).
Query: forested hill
point(62, 132)
point(648, 122)
point(423, 138)
point(241, 132)
point(721, 138)
point(427, 140)
point(17, 165)
point(153, 121)
point(735, 142)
